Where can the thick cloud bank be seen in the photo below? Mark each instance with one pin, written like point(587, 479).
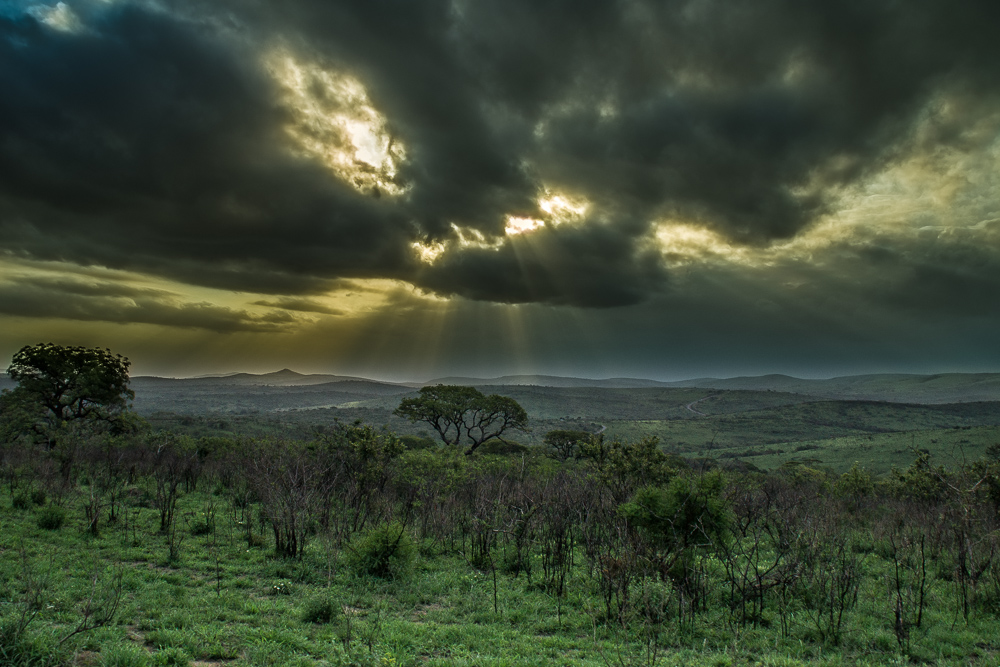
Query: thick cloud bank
point(276, 147)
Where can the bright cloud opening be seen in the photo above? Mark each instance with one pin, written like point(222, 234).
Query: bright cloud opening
point(563, 208)
point(60, 17)
point(682, 243)
point(333, 119)
point(473, 238)
point(428, 252)
point(518, 225)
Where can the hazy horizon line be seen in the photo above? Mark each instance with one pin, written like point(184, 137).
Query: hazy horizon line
point(456, 376)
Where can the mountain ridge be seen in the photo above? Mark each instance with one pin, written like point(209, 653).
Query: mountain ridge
point(893, 387)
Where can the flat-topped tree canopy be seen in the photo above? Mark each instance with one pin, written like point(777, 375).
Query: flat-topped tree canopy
point(464, 414)
point(70, 383)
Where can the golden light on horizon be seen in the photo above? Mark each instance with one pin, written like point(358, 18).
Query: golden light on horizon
point(333, 119)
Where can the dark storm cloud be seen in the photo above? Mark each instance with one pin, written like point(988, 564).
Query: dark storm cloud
point(113, 302)
point(154, 138)
point(592, 267)
point(933, 274)
point(149, 144)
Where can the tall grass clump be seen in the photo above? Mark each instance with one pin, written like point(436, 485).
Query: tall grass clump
point(386, 551)
point(126, 655)
point(319, 609)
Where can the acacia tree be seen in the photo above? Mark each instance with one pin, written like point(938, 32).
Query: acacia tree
point(565, 444)
point(464, 414)
point(64, 384)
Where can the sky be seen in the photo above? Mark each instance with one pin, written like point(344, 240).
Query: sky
point(407, 190)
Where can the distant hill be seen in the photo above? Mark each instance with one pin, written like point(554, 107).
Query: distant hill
point(897, 388)
point(552, 381)
point(282, 378)
point(205, 395)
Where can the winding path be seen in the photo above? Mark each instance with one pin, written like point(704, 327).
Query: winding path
point(690, 405)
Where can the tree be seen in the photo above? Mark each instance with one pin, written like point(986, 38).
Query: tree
point(464, 414)
point(565, 444)
point(61, 385)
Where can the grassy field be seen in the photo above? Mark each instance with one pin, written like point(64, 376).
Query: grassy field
point(878, 453)
point(218, 602)
point(832, 433)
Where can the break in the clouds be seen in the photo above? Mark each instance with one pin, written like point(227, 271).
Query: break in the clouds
point(659, 156)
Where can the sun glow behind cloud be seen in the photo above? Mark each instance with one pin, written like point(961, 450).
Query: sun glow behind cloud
point(58, 17)
point(519, 225)
point(428, 252)
point(333, 119)
point(563, 208)
point(683, 243)
point(557, 209)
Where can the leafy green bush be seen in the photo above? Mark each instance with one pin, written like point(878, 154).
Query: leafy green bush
point(201, 528)
point(51, 517)
point(38, 496)
point(416, 442)
point(687, 512)
point(386, 551)
point(319, 609)
point(20, 501)
point(503, 448)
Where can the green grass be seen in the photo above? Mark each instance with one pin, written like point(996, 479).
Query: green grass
point(880, 452)
point(221, 602)
point(834, 433)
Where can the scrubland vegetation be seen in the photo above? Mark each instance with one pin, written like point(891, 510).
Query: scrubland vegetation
point(150, 548)
point(223, 540)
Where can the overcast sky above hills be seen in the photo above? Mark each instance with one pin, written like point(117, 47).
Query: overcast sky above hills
point(407, 190)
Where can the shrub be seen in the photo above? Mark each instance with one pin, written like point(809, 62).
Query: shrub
point(201, 528)
point(319, 609)
point(51, 517)
point(415, 442)
point(503, 448)
point(386, 551)
point(25, 499)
